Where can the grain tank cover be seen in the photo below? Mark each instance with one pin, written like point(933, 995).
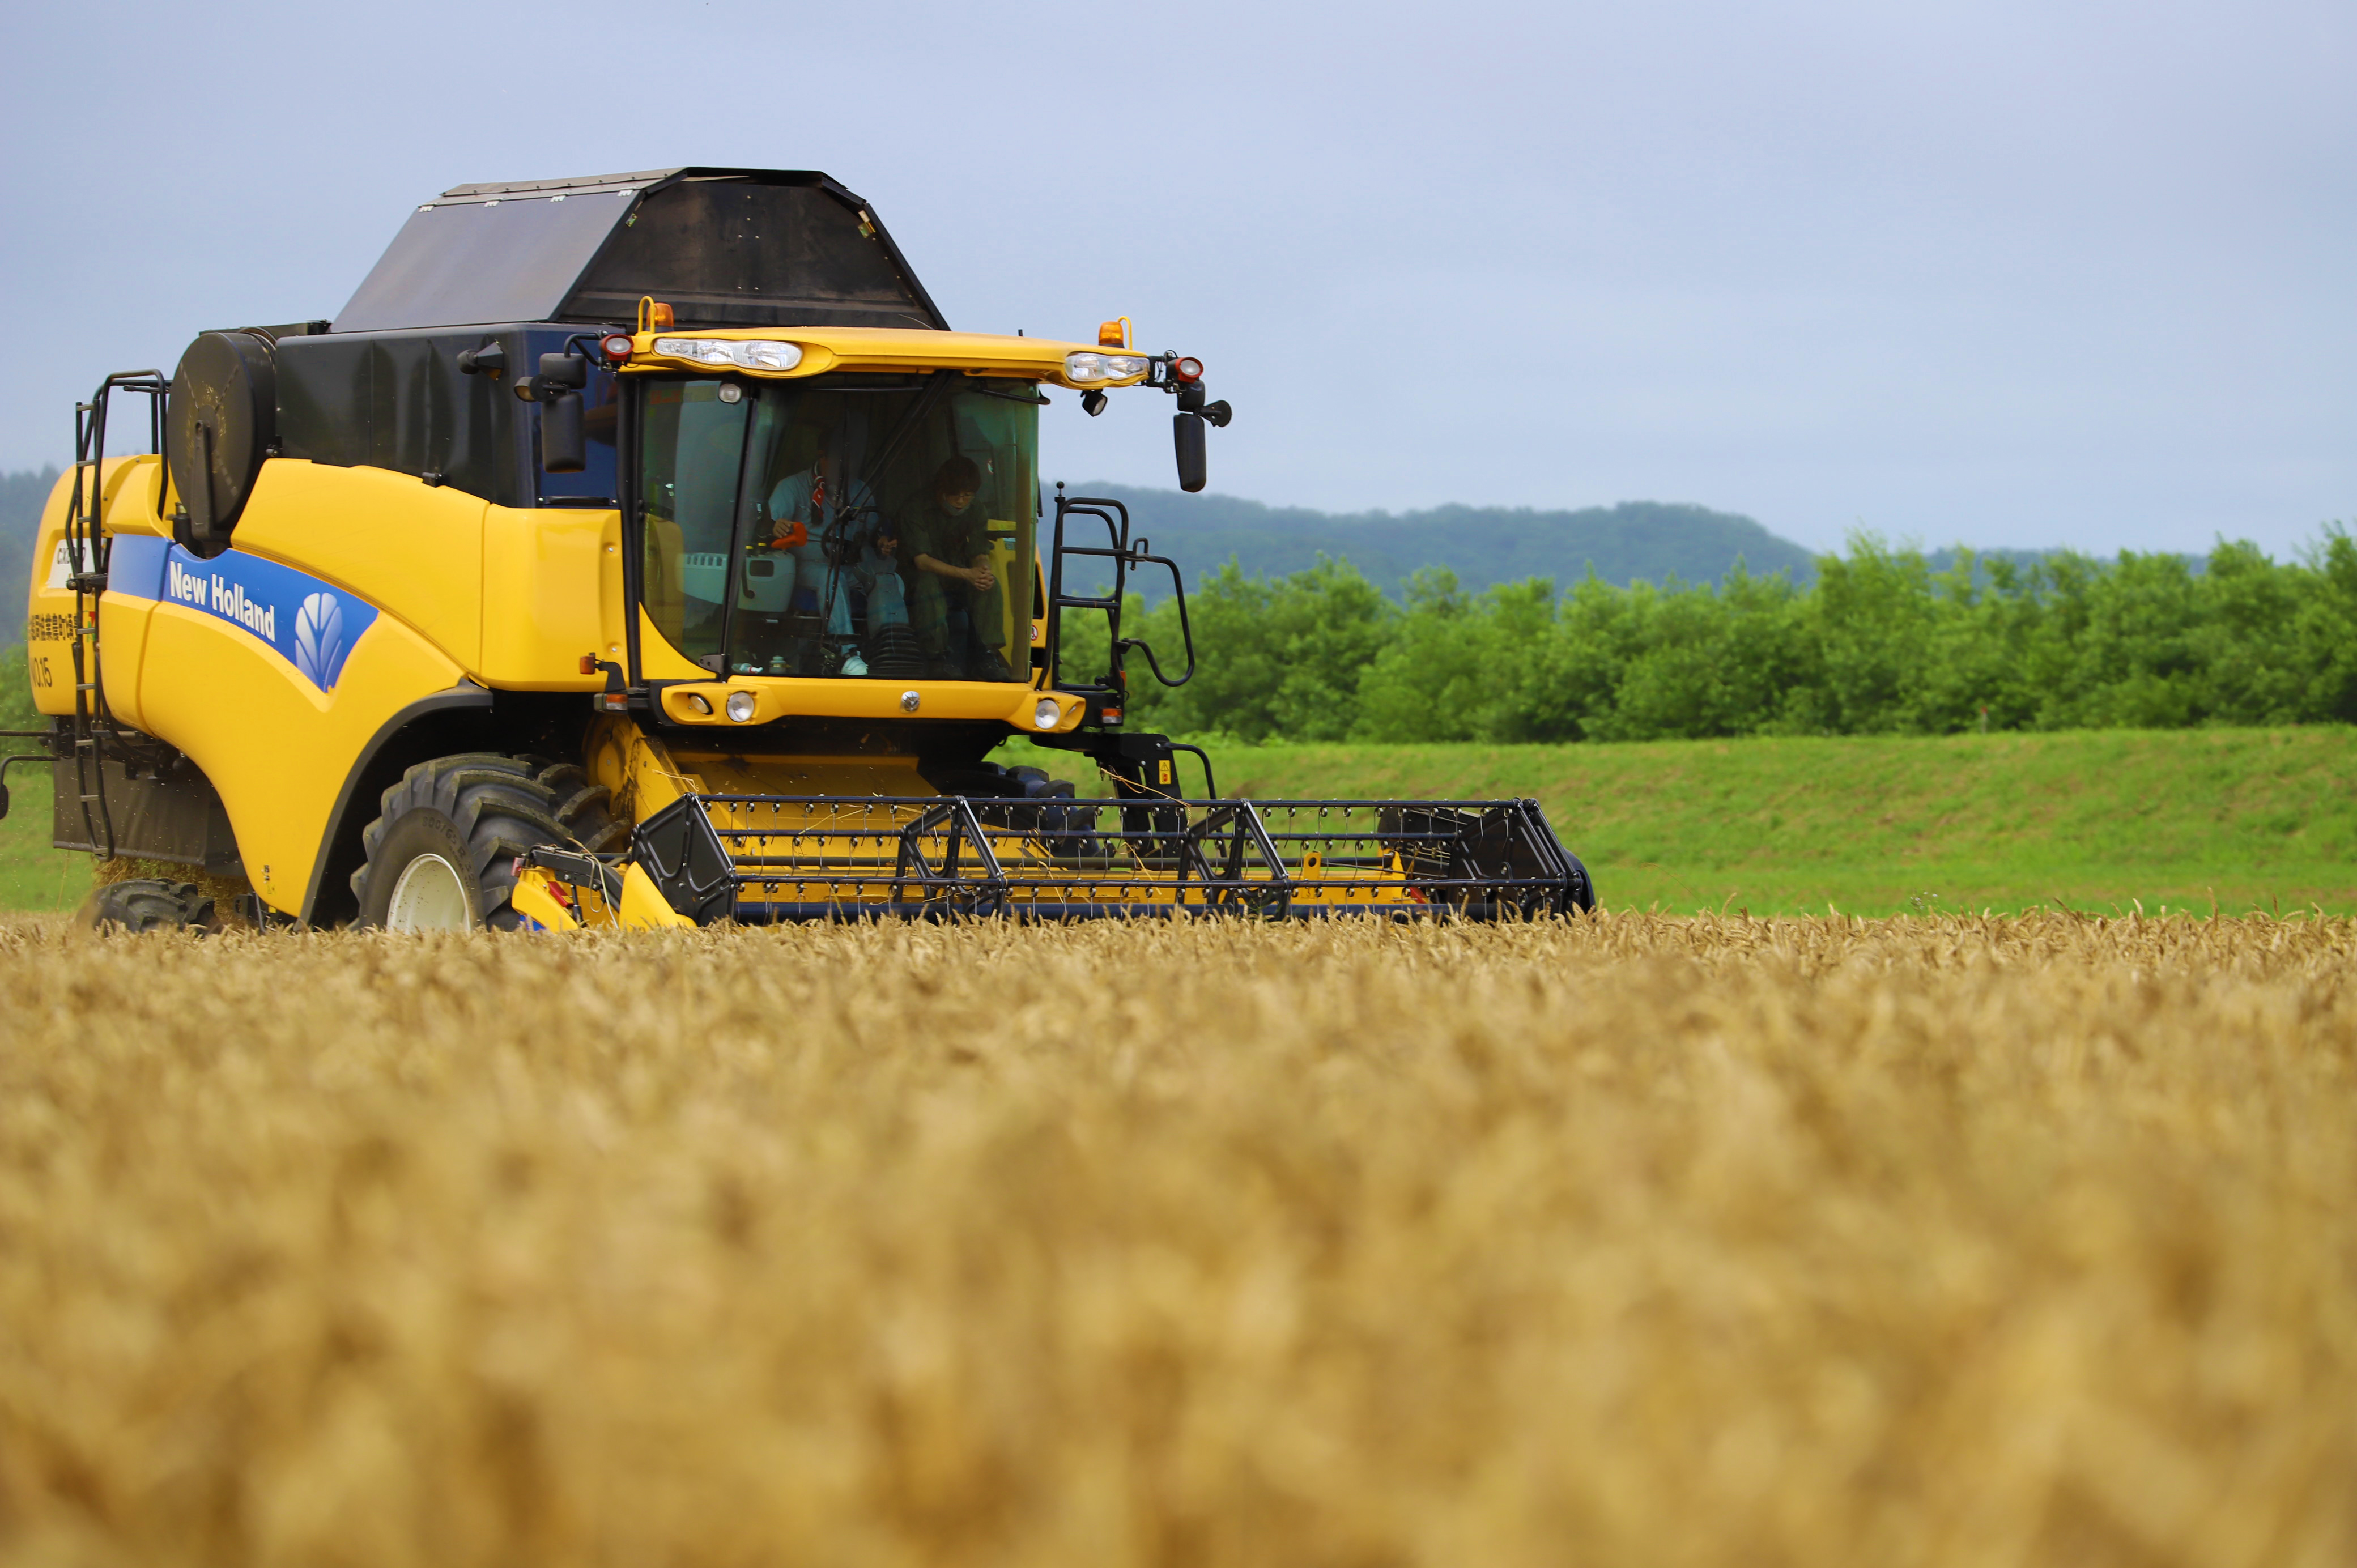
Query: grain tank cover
point(722, 247)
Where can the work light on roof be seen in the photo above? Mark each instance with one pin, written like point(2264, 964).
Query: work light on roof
point(1186, 369)
point(1087, 367)
point(755, 354)
point(615, 346)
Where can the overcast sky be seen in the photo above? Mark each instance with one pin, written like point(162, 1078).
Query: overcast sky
point(2004, 273)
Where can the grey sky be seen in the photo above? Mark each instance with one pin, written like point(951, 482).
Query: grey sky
point(2006, 273)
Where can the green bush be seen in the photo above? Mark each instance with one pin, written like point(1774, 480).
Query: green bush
point(1879, 644)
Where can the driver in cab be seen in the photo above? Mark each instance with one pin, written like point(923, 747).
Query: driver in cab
point(808, 508)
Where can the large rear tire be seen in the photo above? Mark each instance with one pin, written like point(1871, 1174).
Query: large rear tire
point(147, 904)
point(441, 857)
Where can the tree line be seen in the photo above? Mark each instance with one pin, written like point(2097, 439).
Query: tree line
point(1881, 642)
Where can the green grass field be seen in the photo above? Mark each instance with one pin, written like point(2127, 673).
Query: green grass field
point(32, 875)
point(2253, 818)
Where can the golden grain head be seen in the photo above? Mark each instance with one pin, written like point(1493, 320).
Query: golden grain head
point(1625, 1240)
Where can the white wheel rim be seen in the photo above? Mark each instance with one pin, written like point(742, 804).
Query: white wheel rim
point(429, 897)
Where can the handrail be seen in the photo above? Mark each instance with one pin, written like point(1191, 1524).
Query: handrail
point(1125, 557)
point(87, 553)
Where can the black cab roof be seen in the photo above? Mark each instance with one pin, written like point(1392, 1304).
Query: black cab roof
point(723, 247)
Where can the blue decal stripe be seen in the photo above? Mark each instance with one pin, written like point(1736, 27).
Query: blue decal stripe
point(136, 565)
point(311, 625)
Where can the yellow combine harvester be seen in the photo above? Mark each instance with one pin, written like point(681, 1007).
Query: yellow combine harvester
point(646, 550)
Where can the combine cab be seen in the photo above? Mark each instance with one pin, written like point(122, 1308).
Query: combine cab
point(646, 550)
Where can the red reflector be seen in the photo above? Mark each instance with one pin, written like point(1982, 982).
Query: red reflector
point(1187, 370)
point(616, 348)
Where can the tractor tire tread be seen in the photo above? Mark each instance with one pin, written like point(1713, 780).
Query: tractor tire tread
point(612, 836)
point(147, 904)
point(498, 808)
point(596, 795)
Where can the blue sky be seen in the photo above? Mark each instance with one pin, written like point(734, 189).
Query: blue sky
point(2012, 274)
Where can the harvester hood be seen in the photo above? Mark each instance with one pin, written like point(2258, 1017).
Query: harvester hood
point(722, 247)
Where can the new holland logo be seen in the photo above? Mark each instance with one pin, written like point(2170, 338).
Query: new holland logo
point(226, 599)
point(311, 625)
point(319, 638)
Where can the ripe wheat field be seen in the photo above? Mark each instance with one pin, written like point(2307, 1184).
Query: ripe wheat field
point(1624, 1240)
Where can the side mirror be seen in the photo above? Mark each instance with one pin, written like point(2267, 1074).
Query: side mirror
point(564, 369)
point(1194, 466)
point(562, 447)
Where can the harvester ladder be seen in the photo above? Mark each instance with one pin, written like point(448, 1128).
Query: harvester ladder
point(1109, 690)
point(87, 552)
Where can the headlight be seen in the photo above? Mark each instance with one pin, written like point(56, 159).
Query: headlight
point(759, 354)
point(740, 706)
point(702, 351)
point(1087, 367)
point(1047, 715)
point(768, 355)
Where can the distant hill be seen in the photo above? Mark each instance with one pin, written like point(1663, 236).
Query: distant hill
point(1483, 545)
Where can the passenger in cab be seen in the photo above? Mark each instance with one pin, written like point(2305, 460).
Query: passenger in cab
point(956, 606)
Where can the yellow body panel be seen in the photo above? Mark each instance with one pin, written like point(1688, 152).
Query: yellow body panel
point(515, 596)
point(551, 591)
point(659, 660)
point(536, 898)
point(636, 767)
point(720, 774)
point(793, 696)
point(413, 550)
point(276, 749)
point(554, 905)
point(646, 774)
point(126, 505)
point(123, 623)
point(129, 495)
point(643, 908)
